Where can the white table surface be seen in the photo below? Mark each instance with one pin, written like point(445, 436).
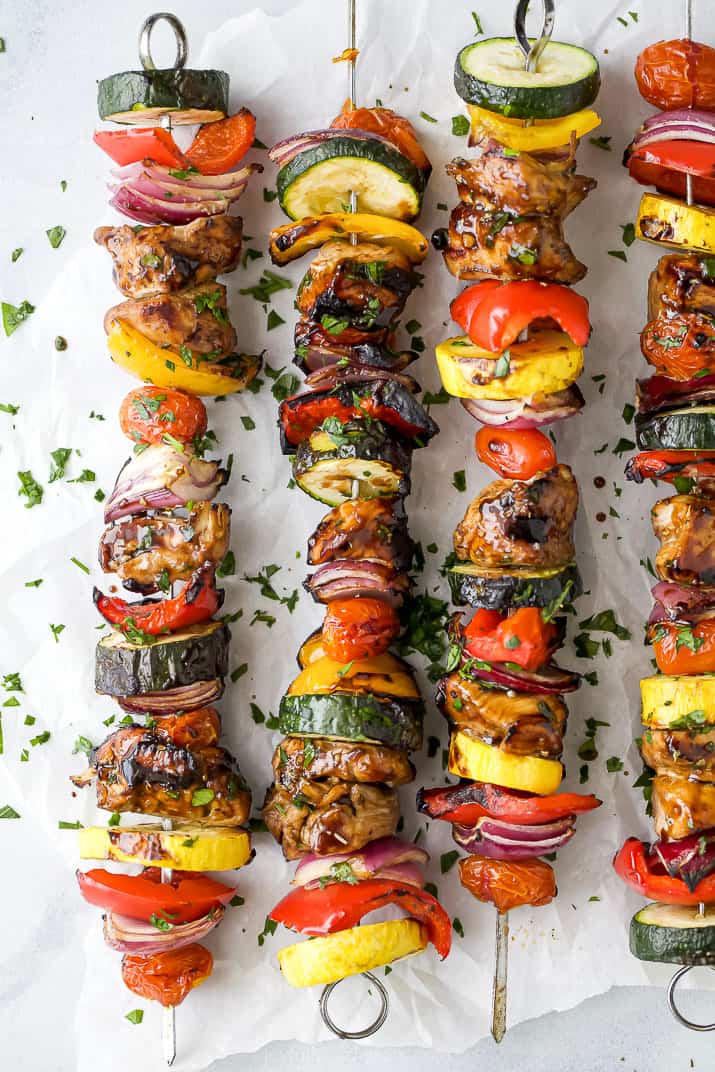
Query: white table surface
point(54, 52)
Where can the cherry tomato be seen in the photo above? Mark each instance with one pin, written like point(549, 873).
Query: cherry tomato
point(185, 898)
point(219, 146)
point(508, 885)
point(169, 976)
point(523, 637)
point(359, 628)
point(677, 74)
point(148, 413)
point(679, 346)
point(680, 648)
point(200, 728)
point(389, 125)
point(518, 453)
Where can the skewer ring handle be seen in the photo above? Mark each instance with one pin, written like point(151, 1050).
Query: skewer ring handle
point(182, 44)
point(532, 52)
point(672, 985)
point(366, 1031)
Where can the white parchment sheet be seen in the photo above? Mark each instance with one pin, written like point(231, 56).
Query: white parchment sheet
point(560, 954)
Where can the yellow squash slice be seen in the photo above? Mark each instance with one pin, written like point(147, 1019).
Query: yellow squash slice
point(471, 758)
point(383, 675)
point(351, 952)
point(186, 848)
point(670, 222)
point(293, 240)
point(541, 134)
point(678, 702)
point(547, 362)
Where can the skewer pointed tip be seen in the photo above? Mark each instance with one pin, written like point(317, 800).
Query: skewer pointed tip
point(499, 992)
point(168, 1035)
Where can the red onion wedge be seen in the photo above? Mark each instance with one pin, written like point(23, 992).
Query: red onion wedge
point(386, 857)
point(510, 841)
point(329, 376)
point(684, 124)
point(526, 412)
point(284, 151)
point(349, 578)
point(548, 680)
point(675, 603)
point(152, 210)
point(691, 859)
point(136, 936)
point(171, 701)
point(152, 194)
point(160, 478)
point(213, 185)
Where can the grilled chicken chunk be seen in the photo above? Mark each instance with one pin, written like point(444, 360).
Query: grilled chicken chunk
point(363, 528)
point(162, 259)
point(518, 247)
point(520, 722)
point(143, 770)
point(680, 283)
point(196, 317)
point(521, 184)
point(366, 284)
point(300, 759)
point(685, 526)
point(521, 523)
point(682, 807)
point(681, 752)
point(139, 549)
point(329, 816)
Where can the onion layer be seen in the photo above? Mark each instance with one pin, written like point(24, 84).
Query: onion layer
point(161, 478)
point(526, 412)
point(387, 857)
point(136, 936)
point(511, 841)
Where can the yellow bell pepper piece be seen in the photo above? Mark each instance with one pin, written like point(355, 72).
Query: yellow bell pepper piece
point(186, 848)
point(382, 674)
point(541, 134)
point(471, 758)
point(547, 362)
point(350, 952)
point(311, 649)
point(670, 222)
point(133, 352)
point(689, 701)
point(292, 240)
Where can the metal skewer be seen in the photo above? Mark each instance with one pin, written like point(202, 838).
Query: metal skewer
point(352, 94)
point(688, 33)
point(168, 1024)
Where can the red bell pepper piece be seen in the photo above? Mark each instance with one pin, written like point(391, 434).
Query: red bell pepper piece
point(523, 637)
point(141, 143)
point(495, 318)
point(199, 600)
point(664, 164)
point(466, 804)
point(644, 872)
point(668, 465)
point(187, 897)
point(341, 905)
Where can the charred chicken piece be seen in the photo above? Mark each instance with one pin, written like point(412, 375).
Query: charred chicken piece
point(521, 184)
point(681, 807)
point(196, 317)
point(519, 722)
point(329, 816)
point(139, 549)
point(680, 752)
point(363, 528)
point(298, 760)
point(160, 260)
point(141, 769)
point(685, 526)
point(508, 247)
point(680, 283)
point(521, 523)
point(365, 284)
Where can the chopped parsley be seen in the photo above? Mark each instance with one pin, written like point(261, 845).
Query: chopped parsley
point(460, 125)
point(14, 315)
point(56, 236)
point(30, 489)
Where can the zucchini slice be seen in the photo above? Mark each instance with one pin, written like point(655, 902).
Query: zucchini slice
point(187, 847)
point(354, 716)
point(686, 703)
point(199, 653)
point(328, 465)
point(293, 240)
point(674, 934)
point(319, 180)
point(684, 429)
point(332, 957)
point(671, 222)
point(492, 589)
point(491, 74)
point(141, 98)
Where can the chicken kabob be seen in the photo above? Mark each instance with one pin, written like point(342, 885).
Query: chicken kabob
point(166, 659)
point(675, 432)
point(514, 370)
point(354, 712)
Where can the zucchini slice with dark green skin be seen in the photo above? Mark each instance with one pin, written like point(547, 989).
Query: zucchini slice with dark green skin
point(327, 465)
point(674, 934)
point(141, 98)
point(685, 429)
point(321, 178)
point(491, 74)
point(354, 716)
point(199, 653)
point(386, 401)
point(491, 589)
